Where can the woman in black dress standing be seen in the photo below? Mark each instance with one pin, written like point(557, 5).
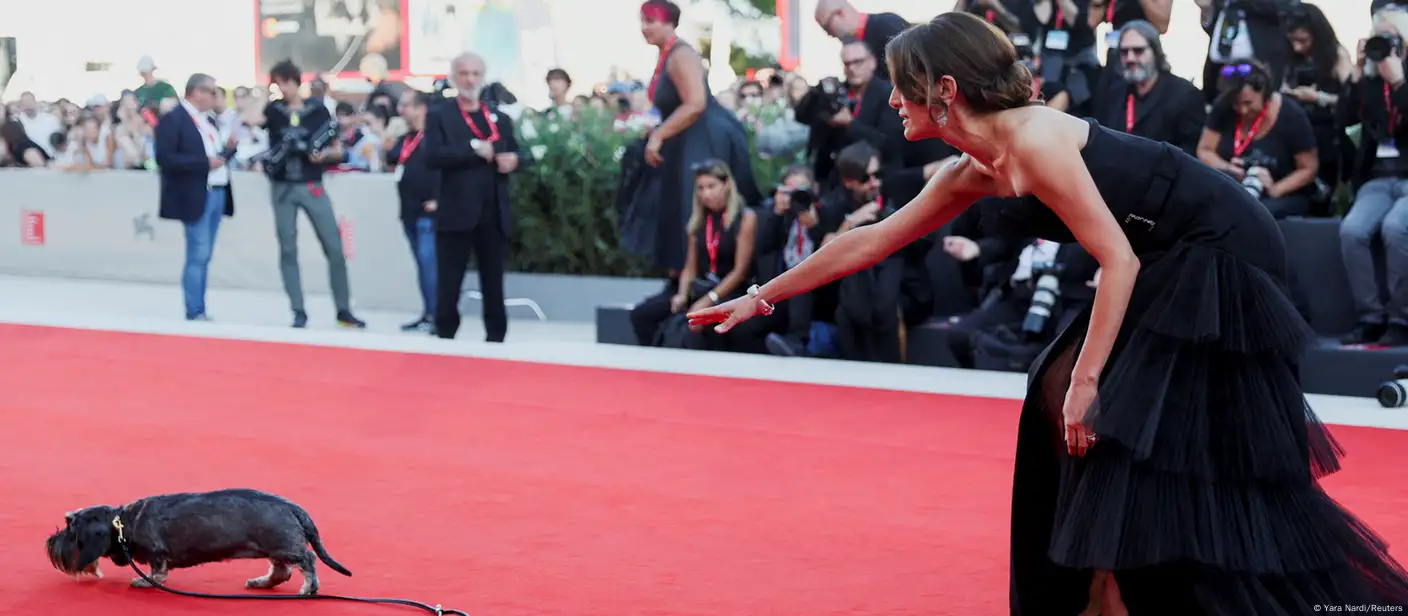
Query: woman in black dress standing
point(1165, 437)
point(694, 128)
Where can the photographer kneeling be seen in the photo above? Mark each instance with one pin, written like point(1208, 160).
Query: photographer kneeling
point(1262, 139)
point(1031, 290)
point(874, 304)
point(790, 229)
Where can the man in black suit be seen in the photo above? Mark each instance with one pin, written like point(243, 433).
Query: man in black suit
point(859, 112)
point(842, 20)
point(1150, 101)
point(474, 147)
point(195, 183)
point(418, 186)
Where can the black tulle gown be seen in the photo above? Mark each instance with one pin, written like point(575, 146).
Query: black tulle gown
point(1202, 493)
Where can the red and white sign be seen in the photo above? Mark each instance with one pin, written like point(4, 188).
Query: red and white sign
point(344, 230)
point(32, 228)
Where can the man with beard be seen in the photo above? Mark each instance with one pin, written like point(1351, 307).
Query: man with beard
point(473, 146)
point(1151, 101)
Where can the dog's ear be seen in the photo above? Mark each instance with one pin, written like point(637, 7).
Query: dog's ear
point(94, 534)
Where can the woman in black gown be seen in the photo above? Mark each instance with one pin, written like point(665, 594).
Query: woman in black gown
point(1165, 437)
point(695, 128)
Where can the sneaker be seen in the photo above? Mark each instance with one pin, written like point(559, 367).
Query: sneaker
point(345, 319)
point(422, 325)
point(300, 319)
point(1366, 332)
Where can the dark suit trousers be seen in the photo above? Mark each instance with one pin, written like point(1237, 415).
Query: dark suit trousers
point(488, 246)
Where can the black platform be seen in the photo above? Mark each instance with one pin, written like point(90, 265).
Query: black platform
point(1315, 257)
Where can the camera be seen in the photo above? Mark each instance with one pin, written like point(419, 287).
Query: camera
point(1045, 295)
point(800, 200)
point(284, 160)
point(1377, 48)
point(1252, 163)
point(826, 99)
point(1026, 53)
point(1393, 393)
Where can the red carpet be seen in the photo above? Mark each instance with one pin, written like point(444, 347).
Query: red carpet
point(505, 488)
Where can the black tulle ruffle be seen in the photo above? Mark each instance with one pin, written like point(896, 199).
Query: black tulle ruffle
point(1209, 454)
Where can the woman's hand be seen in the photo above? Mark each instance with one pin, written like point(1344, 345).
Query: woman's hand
point(652, 151)
point(727, 314)
point(1079, 398)
point(677, 303)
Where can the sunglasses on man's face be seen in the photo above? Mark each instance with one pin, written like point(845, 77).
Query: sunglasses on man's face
point(1237, 69)
point(1136, 51)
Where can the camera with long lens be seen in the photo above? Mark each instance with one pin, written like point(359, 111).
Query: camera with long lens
point(285, 160)
point(1381, 46)
point(826, 99)
point(1254, 162)
point(1026, 52)
point(1393, 393)
point(1046, 293)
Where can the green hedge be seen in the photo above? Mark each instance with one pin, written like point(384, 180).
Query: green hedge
point(564, 203)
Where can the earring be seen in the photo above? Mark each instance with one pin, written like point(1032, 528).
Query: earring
point(941, 119)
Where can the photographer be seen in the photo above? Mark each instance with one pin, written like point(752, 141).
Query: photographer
point(873, 304)
point(303, 143)
point(1262, 139)
point(1320, 68)
point(1374, 99)
point(1244, 29)
point(1030, 289)
point(790, 229)
point(842, 115)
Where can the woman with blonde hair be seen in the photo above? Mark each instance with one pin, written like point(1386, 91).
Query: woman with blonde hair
point(718, 262)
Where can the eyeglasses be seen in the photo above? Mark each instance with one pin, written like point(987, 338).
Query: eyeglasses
point(1133, 51)
point(1237, 69)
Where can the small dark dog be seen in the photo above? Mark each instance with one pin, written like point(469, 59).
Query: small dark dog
point(177, 531)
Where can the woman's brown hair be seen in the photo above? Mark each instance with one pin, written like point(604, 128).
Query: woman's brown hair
point(1244, 73)
point(977, 55)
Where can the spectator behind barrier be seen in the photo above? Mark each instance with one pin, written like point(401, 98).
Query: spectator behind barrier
point(1320, 66)
point(1149, 100)
point(718, 265)
point(1262, 139)
point(1375, 100)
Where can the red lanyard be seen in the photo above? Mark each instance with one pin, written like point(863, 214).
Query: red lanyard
point(1129, 115)
point(990, 16)
point(1060, 17)
point(1110, 12)
point(856, 98)
point(1239, 143)
point(711, 244)
point(660, 67)
point(409, 145)
point(1392, 111)
point(801, 237)
point(208, 133)
point(493, 126)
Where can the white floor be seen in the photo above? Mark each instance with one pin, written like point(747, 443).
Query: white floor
point(261, 316)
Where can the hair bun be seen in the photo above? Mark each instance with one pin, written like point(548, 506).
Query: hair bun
point(1014, 88)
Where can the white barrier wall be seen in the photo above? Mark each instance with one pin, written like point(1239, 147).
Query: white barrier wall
point(104, 225)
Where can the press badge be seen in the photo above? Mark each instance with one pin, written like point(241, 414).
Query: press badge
point(1059, 40)
point(1387, 150)
point(400, 171)
point(1112, 41)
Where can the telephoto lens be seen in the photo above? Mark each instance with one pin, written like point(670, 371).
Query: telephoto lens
point(1393, 393)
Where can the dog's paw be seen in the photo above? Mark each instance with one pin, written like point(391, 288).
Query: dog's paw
point(262, 582)
point(140, 583)
point(308, 590)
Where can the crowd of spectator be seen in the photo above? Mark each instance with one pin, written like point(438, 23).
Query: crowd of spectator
point(1306, 122)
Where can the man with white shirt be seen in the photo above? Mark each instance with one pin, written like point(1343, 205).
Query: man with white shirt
point(195, 183)
point(39, 126)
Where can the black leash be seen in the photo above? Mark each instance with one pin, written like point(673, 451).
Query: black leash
point(122, 541)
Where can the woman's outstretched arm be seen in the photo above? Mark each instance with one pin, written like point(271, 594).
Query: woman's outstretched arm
point(949, 192)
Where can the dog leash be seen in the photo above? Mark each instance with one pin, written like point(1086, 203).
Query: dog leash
point(126, 552)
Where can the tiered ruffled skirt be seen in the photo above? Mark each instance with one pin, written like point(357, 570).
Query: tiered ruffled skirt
point(1202, 493)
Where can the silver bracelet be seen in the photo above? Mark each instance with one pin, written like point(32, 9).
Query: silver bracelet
point(713, 297)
